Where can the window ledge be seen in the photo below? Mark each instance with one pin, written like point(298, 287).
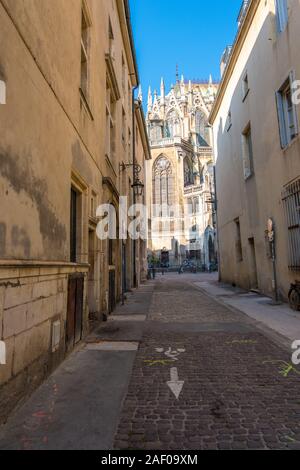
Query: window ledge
point(288, 146)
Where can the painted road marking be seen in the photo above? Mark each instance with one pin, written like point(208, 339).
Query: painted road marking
point(284, 368)
point(174, 355)
point(175, 384)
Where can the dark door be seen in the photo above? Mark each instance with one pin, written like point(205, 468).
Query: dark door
point(112, 291)
point(74, 311)
point(124, 268)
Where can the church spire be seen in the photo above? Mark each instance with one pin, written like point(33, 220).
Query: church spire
point(182, 86)
point(177, 73)
point(150, 102)
point(162, 92)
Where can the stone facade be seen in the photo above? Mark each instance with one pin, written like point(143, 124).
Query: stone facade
point(256, 138)
point(67, 128)
point(181, 172)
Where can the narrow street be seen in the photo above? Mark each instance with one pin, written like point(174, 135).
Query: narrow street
point(172, 369)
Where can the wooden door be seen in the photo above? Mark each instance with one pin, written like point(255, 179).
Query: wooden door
point(74, 324)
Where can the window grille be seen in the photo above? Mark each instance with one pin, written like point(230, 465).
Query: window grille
point(291, 201)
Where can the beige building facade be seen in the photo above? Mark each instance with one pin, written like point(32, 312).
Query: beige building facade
point(256, 139)
point(180, 173)
point(68, 123)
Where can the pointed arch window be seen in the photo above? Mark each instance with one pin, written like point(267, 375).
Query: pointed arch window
point(201, 128)
point(173, 125)
point(163, 182)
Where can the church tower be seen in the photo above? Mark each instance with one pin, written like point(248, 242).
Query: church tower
point(181, 173)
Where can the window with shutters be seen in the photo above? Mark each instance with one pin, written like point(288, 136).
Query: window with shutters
point(287, 112)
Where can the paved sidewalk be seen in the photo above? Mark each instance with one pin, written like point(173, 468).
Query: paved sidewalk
point(79, 406)
point(279, 318)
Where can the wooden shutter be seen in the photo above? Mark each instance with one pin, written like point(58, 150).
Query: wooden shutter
point(296, 122)
point(281, 120)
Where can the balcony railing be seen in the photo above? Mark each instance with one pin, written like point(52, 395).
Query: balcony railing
point(243, 12)
point(165, 141)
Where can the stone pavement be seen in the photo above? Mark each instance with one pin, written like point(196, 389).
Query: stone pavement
point(173, 369)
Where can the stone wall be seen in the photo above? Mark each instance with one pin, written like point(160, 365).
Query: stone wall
point(32, 299)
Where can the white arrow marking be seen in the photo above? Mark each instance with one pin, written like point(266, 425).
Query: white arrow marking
point(175, 384)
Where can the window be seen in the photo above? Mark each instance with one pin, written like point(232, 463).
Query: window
point(291, 201)
point(238, 241)
point(287, 113)
point(123, 127)
point(110, 123)
point(173, 125)
point(282, 15)
point(163, 182)
point(93, 204)
point(245, 85)
point(247, 152)
point(85, 39)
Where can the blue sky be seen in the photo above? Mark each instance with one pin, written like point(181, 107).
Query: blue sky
point(190, 33)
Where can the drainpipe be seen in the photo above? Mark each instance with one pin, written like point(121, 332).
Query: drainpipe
point(216, 204)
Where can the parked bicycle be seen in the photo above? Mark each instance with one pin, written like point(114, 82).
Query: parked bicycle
point(294, 296)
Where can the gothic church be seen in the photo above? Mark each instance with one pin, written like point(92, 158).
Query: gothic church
point(181, 173)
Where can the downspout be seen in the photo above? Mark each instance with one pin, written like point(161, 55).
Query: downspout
point(216, 204)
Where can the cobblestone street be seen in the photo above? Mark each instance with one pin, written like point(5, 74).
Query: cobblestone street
point(237, 389)
point(173, 369)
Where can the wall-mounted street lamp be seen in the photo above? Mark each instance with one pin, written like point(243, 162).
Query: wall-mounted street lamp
point(138, 186)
